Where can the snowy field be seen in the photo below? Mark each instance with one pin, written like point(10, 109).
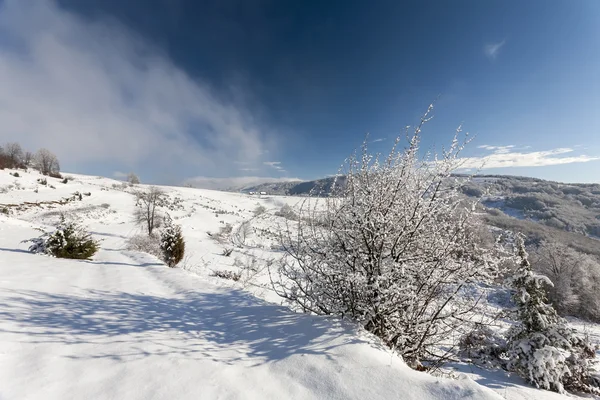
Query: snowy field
point(124, 326)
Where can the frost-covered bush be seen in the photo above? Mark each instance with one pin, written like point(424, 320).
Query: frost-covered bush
point(225, 274)
point(133, 179)
point(394, 249)
point(287, 212)
point(68, 240)
point(260, 209)
point(145, 244)
point(172, 244)
point(541, 347)
point(483, 346)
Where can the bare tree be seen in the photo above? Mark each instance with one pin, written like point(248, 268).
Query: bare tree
point(133, 179)
point(28, 158)
point(146, 213)
point(575, 277)
point(4, 159)
point(394, 248)
point(14, 152)
point(46, 162)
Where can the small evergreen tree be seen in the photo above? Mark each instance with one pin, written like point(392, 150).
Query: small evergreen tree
point(541, 347)
point(172, 244)
point(69, 240)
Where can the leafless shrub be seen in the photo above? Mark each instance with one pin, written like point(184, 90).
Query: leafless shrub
point(287, 212)
point(145, 244)
point(133, 179)
point(393, 249)
point(227, 252)
point(225, 274)
point(260, 209)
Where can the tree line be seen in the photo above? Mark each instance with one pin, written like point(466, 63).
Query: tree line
point(13, 156)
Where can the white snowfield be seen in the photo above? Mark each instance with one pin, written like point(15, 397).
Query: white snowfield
point(124, 326)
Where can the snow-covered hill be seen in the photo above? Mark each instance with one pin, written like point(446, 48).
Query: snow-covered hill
point(124, 326)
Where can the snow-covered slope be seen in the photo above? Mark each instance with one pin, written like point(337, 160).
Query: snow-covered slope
point(124, 326)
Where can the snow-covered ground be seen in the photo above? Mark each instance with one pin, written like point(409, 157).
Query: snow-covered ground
point(124, 326)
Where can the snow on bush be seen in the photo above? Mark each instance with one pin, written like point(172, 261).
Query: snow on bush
point(172, 244)
point(145, 244)
point(483, 346)
point(395, 248)
point(68, 240)
point(541, 347)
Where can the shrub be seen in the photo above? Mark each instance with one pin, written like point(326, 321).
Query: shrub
point(172, 244)
point(69, 240)
point(224, 274)
point(16, 174)
point(227, 252)
point(259, 210)
point(133, 179)
point(55, 174)
point(394, 249)
point(42, 181)
point(482, 346)
point(145, 244)
point(65, 181)
point(287, 212)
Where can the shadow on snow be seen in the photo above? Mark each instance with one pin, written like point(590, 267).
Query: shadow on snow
point(225, 326)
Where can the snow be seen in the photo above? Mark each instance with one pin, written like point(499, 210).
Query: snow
point(123, 325)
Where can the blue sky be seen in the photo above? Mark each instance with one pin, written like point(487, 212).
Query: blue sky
point(182, 89)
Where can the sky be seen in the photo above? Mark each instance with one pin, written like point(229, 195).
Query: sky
point(226, 92)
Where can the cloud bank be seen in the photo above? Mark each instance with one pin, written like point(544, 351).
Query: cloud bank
point(236, 183)
point(506, 157)
point(95, 94)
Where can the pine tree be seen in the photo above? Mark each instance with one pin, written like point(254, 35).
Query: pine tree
point(172, 243)
point(68, 240)
point(541, 347)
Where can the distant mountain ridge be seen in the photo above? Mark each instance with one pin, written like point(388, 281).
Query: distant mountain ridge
point(318, 187)
point(541, 209)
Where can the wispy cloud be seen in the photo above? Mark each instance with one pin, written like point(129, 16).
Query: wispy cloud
point(93, 92)
point(505, 157)
point(497, 149)
point(275, 165)
point(378, 140)
point(491, 50)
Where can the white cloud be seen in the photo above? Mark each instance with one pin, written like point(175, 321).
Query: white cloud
point(92, 92)
point(497, 149)
point(120, 175)
point(378, 140)
point(275, 164)
point(237, 183)
point(492, 50)
point(504, 157)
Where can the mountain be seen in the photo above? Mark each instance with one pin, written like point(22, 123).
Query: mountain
point(317, 187)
